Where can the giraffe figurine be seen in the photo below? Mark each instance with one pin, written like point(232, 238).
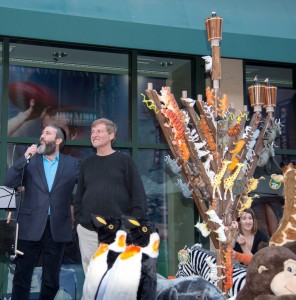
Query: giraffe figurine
point(229, 181)
point(286, 231)
point(253, 184)
point(218, 178)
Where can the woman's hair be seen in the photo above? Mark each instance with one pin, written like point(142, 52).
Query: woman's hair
point(255, 225)
point(111, 126)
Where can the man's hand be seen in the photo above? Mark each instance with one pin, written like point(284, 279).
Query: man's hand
point(31, 151)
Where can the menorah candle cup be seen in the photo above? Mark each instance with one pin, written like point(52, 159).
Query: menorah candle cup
point(150, 86)
point(257, 96)
point(184, 94)
point(214, 27)
point(270, 98)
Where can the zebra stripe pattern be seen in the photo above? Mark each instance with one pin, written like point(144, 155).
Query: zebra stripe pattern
point(198, 265)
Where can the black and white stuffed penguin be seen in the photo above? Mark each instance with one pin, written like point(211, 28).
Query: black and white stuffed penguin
point(133, 275)
point(112, 240)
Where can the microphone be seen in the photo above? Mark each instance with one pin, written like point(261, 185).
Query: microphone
point(40, 150)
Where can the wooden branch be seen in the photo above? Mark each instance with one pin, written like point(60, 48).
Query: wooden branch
point(195, 123)
point(188, 174)
point(161, 120)
point(200, 107)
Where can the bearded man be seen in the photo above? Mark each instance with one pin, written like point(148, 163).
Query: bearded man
point(44, 218)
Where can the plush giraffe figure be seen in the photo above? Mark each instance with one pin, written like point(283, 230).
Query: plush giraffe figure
point(218, 178)
point(286, 231)
point(229, 181)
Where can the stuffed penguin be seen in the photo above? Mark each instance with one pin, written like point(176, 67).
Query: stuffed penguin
point(112, 242)
point(133, 275)
point(148, 281)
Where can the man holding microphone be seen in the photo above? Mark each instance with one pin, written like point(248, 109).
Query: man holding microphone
point(44, 218)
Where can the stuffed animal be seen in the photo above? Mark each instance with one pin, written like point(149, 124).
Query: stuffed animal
point(189, 288)
point(271, 274)
point(112, 242)
point(133, 275)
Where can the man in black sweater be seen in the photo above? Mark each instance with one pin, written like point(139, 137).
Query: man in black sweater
point(109, 185)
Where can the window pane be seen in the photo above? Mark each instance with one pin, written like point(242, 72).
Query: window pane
point(286, 112)
point(278, 76)
point(1, 81)
point(167, 207)
point(269, 207)
point(284, 160)
point(68, 86)
point(286, 100)
point(159, 71)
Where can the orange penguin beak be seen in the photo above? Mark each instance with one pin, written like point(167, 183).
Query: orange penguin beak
point(130, 251)
point(122, 241)
point(155, 246)
point(102, 249)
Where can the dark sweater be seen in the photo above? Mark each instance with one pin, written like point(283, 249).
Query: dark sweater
point(258, 238)
point(108, 186)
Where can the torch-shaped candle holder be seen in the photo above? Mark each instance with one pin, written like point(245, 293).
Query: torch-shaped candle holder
point(214, 27)
point(257, 95)
point(270, 97)
point(214, 33)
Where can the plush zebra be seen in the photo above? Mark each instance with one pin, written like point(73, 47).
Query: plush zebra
point(202, 262)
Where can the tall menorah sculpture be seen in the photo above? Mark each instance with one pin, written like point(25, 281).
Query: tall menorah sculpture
point(217, 149)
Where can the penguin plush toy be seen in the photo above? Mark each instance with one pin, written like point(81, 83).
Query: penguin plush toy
point(133, 275)
point(112, 242)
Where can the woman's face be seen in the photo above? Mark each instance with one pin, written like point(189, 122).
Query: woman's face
point(246, 221)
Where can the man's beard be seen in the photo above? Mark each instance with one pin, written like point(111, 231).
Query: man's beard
point(50, 148)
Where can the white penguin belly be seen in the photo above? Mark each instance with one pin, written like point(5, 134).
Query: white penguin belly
point(124, 279)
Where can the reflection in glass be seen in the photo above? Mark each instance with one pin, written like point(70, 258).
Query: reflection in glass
point(72, 99)
point(278, 76)
point(286, 112)
point(175, 73)
point(1, 93)
point(269, 207)
point(285, 109)
point(167, 207)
